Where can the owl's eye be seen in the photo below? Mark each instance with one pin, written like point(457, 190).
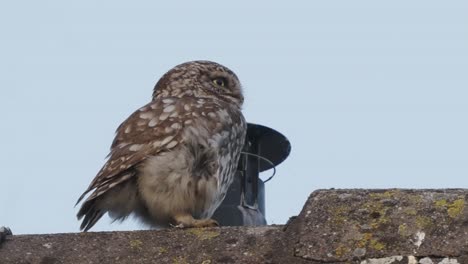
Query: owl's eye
point(220, 81)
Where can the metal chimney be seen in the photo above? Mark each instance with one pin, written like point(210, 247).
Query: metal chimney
point(244, 204)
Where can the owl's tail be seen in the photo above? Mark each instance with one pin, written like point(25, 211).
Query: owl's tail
point(91, 214)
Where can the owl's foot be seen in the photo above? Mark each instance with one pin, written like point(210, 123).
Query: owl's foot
point(187, 221)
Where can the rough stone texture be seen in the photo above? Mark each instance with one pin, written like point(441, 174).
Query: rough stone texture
point(210, 245)
point(343, 225)
point(335, 226)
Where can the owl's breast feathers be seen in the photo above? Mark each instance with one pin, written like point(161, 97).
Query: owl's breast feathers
point(168, 123)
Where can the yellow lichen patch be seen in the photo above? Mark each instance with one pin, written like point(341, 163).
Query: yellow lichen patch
point(162, 250)
point(136, 244)
point(441, 203)
point(385, 195)
point(368, 241)
point(339, 214)
point(455, 208)
point(423, 222)
point(342, 250)
point(180, 260)
point(415, 199)
point(410, 211)
point(375, 244)
point(403, 230)
point(377, 211)
point(381, 220)
point(203, 234)
point(362, 243)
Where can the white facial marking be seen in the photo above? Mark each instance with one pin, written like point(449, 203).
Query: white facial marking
point(128, 129)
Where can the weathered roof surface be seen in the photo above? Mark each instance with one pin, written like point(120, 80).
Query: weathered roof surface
point(335, 226)
point(210, 245)
point(342, 225)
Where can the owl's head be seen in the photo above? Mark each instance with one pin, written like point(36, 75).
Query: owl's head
point(200, 79)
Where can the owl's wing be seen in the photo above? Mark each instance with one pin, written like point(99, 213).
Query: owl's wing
point(152, 129)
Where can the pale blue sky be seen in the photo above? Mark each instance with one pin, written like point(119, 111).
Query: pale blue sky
point(371, 94)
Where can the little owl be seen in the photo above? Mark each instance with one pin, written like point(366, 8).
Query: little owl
point(172, 161)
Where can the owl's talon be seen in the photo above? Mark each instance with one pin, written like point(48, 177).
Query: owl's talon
point(180, 226)
point(187, 221)
point(205, 223)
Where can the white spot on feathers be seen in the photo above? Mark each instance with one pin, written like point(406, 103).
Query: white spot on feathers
point(122, 145)
point(156, 144)
point(146, 115)
point(153, 122)
point(163, 116)
point(177, 125)
point(169, 108)
point(135, 147)
point(166, 140)
point(172, 144)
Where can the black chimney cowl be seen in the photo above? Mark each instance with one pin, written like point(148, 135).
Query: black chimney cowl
point(244, 204)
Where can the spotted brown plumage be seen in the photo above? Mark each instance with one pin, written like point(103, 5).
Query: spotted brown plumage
point(173, 159)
